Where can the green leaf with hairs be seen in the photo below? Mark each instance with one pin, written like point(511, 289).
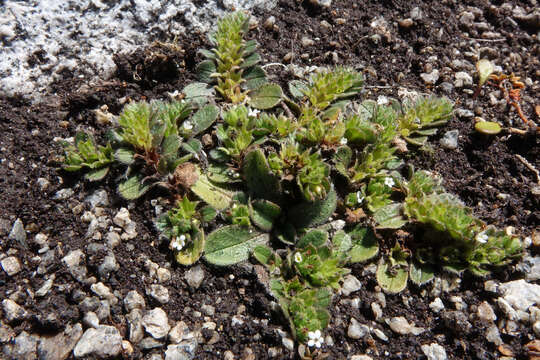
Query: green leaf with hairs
point(198, 93)
point(205, 70)
point(132, 188)
point(232, 244)
point(260, 180)
point(264, 213)
point(217, 197)
point(310, 214)
point(420, 274)
point(204, 118)
point(391, 279)
point(265, 97)
point(97, 175)
point(365, 245)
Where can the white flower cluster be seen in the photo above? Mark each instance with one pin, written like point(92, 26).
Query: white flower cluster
point(298, 257)
point(389, 182)
point(359, 197)
point(482, 237)
point(178, 243)
point(188, 125)
point(315, 339)
point(253, 113)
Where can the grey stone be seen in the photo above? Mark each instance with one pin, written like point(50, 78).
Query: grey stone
point(91, 319)
point(446, 87)
point(434, 351)
point(380, 334)
point(194, 277)
point(113, 239)
point(103, 342)
point(188, 347)
point(376, 310)
point(457, 321)
point(122, 218)
point(350, 285)
point(150, 343)
point(237, 320)
point(24, 346)
point(45, 287)
point(464, 113)
point(159, 293)
point(18, 233)
point(103, 311)
point(179, 332)
point(108, 266)
point(98, 198)
point(530, 266)
point(10, 265)
point(134, 300)
point(493, 335)
point(361, 357)
point(536, 329)
point(466, 18)
point(59, 347)
point(134, 320)
point(462, 79)
point(507, 309)
point(401, 326)
point(73, 258)
point(306, 42)
point(103, 292)
point(450, 140)
point(322, 3)
point(12, 311)
point(491, 286)
point(156, 323)
point(430, 78)
point(288, 343)
point(485, 312)
point(356, 330)
point(208, 310)
point(520, 294)
point(64, 194)
point(416, 14)
point(6, 333)
point(89, 303)
point(436, 305)
point(163, 275)
point(43, 183)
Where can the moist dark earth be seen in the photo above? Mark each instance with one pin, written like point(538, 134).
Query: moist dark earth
point(484, 171)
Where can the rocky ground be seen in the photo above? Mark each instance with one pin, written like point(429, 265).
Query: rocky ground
point(84, 274)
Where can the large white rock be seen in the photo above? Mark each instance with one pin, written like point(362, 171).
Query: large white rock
point(103, 342)
point(520, 294)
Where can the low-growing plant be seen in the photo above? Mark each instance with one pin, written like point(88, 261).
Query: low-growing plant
point(85, 154)
point(269, 182)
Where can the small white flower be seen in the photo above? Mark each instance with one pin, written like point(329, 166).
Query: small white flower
point(253, 113)
point(178, 243)
point(389, 182)
point(315, 339)
point(343, 141)
point(482, 237)
point(298, 257)
point(188, 125)
point(359, 197)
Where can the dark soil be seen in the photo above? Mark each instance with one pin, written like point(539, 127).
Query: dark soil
point(478, 171)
